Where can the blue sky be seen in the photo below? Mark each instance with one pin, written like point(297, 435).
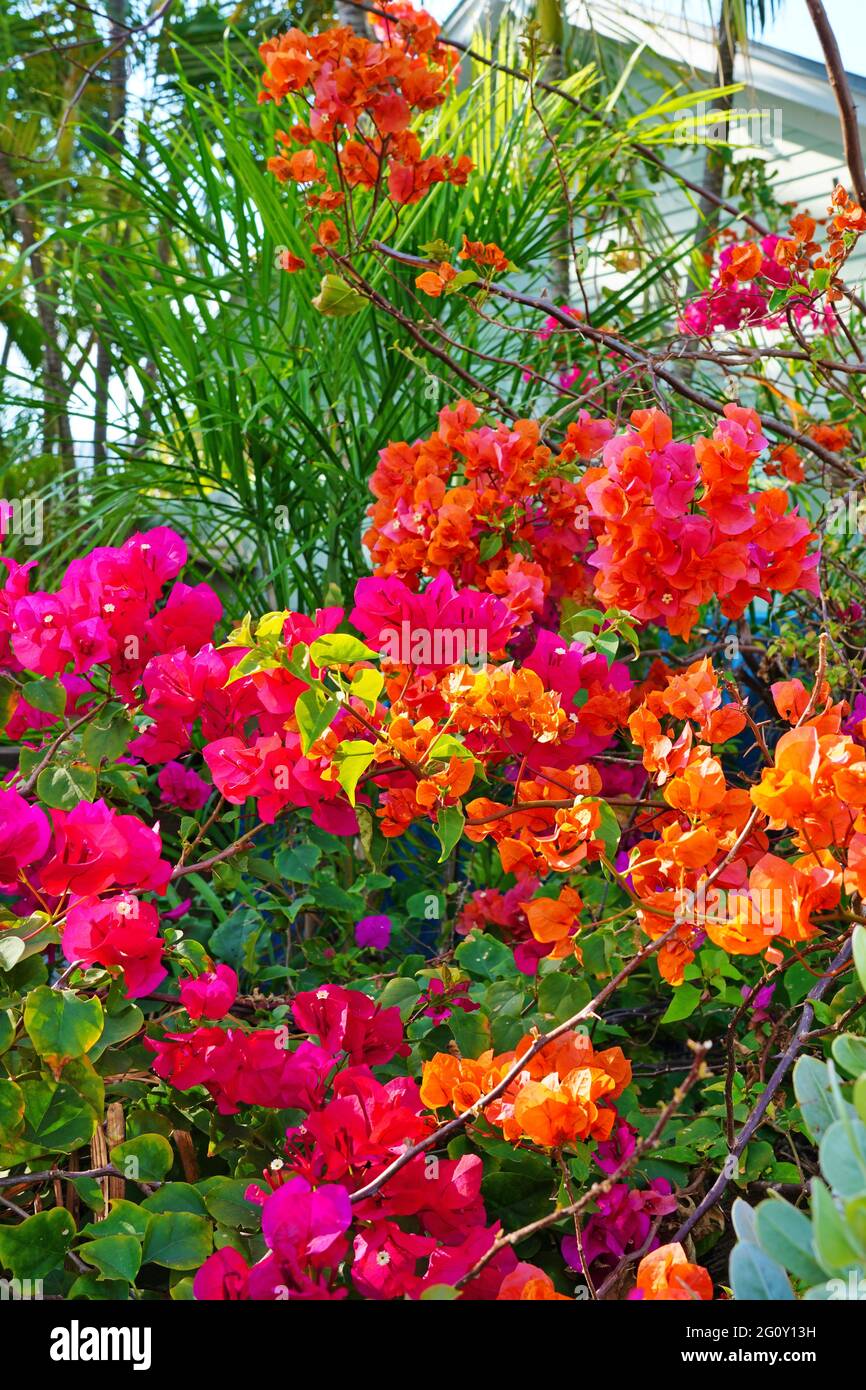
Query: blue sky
point(791, 29)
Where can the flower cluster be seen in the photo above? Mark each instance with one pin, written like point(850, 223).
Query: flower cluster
point(427, 1226)
point(563, 1094)
point(760, 283)
point(663, 551)
point(105, 613)
point(361, 97)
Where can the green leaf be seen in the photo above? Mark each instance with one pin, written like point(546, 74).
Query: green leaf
point(401, 992)
point(297, 864)
point(352, 757)
point(176, 1196)
point(842, 1153)
point(37, 1247)
point(858, 942)
point(314, 711)
point(470, 1031)
point(56, 1118)
point(491, 544)
point(485, 956)
point(62, 788)
point(46, 695)
point(116, 1257)
point(814, 1096)
point(449, 828)
point(11, 1112)
point(367, 685)
point(743, 1218)
point(685, 1000)
point(834, 1243)
point(340, 649)
point(225, 1201)
point(125, 1218)
point(147, 1158)
point(850, 1053)
point(786, 1235)
point(60, 1025)
point(561, 995)
point(754, 1276)
point(336, 299)
point(104, 742)
point(12, 948)
point(177, 1240)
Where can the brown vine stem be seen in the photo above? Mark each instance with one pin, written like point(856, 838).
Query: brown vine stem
point(598, 1189)
point(798, 1037)
point(444, 1131)
point(639, 356)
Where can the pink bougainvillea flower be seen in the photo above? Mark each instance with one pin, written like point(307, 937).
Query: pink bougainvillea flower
point(181, 786)
point(441, 627)
point(345, 1020)
point(211, 994)
point(96, 848)
point(441, 1000)
point(373, 931)
point(305, 1225)
point(223, 1277)
point(118, 931)
point(25, 833)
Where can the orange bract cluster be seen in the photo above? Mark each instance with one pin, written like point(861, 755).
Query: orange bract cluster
point(666, 1274)
point(489, 505)
point(815, 788)
point(817, 784)
point(663, 550)
point(362, 95)
point(536, 840)
point(563, 1094)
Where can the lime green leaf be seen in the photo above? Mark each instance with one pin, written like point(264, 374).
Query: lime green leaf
point(340, 649)
point(62, 788)
point(336, 299)
point(449, 828)
point(60, 1025)
point(314, 711)
point(367, 686)
point(352, 757)
point(147, 1158)
point(686, 999)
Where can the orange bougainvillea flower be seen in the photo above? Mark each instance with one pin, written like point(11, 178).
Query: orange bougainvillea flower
point(291, 263)
point(564, 1093)
point(554, 919)
point(666, 1274)
point(745, 262)
point(433, 282)
point(529, 1282)
point(484, 253)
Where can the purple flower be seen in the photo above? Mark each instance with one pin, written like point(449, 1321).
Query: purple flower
point(373, 931)
point(442, 1002)
point(760, 1002)
point(620, 1146)
point(623, 1224)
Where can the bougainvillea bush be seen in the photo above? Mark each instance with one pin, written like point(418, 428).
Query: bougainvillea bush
point(464, 939)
